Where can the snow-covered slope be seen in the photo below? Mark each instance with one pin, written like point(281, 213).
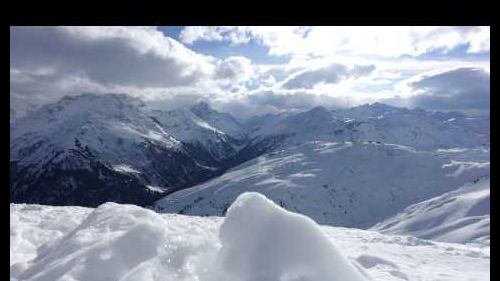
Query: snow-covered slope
point(256, 241)
point(477, 154)
point(256, 125)
point(347, 184)
point(221, 120)
point(462, 215)
point(187, 127)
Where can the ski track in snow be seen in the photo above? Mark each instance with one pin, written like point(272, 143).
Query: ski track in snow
point(257, 240)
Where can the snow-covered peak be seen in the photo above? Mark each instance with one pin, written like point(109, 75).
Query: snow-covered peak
point(319, 111)
point(256, 125)
point(378, 106)
point(175, 119)
point(77, 110)
point(201, 108)
point(220, 120)
point(314, 124)
point(110, 104)
point(367, 111)
point(111, 125)
point(187, 127)
point(424, 130)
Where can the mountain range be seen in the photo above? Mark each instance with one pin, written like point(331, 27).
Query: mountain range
point(364, 166)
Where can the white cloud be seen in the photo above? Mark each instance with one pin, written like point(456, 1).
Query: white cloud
point(330, 74)
point(466, 88)
point(328, 66)
point(235, 69)
point(272, 101)
point(389, 41)
point(134, 56)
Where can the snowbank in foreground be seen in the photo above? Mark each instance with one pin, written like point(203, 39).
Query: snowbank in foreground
point(260, 241)
point(263, 242)
point(34, 225)
point(124, 242)
point(256, 241)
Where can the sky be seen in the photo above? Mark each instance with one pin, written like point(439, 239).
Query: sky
point(250, 71)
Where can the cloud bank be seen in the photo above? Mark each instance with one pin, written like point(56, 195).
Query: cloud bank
point(457, 89)
point(331, 66)
point(331, 74)
point(391, 41)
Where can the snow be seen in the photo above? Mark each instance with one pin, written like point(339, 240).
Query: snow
point(156, 188)
point(187, 127)
point(475, 154)
point(124, 242)
point(225, 122)
point(34, 225)
point(344, 184)
point(110, 125)
point(381, 168)
point(124, 168)
point(261, 241)
point(461, 216)
point(257, 240)
point(123, 137)
point(461, 167)
point(419, 129)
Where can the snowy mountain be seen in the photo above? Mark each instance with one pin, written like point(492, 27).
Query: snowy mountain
point(221, 120)
point(351, 167)
point(258, 124)
point(190, 129)
point(20, 107)
point(461, 215)
point(347, 184)
point(257, 240)
point(416, 128)
point(90, 149)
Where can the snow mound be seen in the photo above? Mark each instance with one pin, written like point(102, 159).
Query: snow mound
point(261, 241)
point(123, 242)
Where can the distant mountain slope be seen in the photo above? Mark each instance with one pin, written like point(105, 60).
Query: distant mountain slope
point(461, 215)
point(221, 120)
point(89, 149)
point(190, 129)
point(347, 184)
point(416, 128)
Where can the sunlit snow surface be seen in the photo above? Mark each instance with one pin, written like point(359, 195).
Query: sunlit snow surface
point(256, 241)
point(461, 216)
point(342, 184)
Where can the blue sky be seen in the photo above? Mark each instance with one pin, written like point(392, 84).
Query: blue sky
point(256, 70)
